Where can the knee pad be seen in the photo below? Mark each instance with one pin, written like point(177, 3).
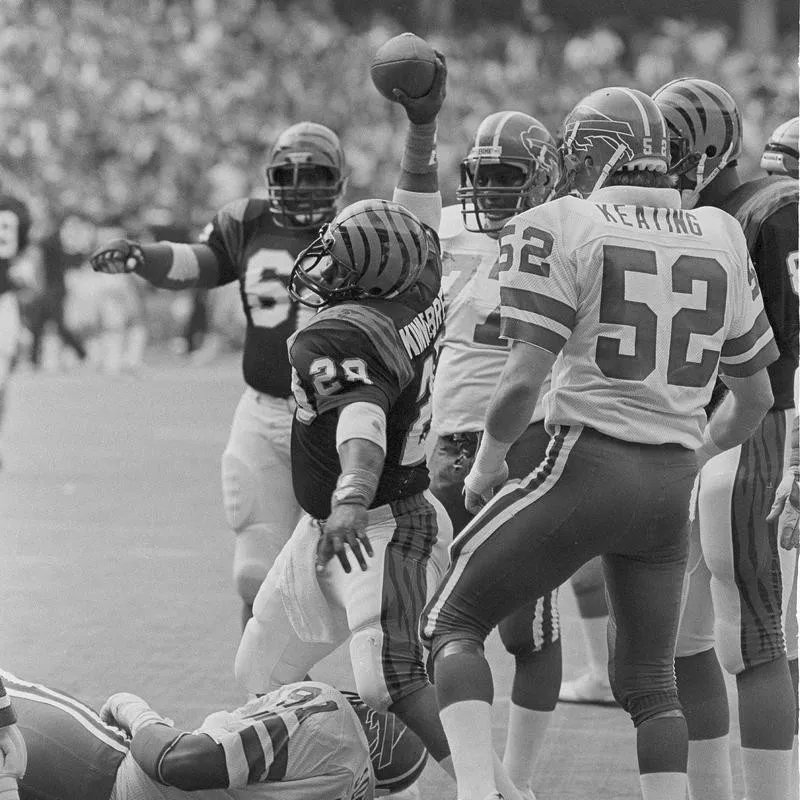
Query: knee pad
point(240, 493)
point(366, 658)
point(248, 575)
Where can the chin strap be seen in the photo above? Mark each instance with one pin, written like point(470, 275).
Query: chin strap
point(609, 167)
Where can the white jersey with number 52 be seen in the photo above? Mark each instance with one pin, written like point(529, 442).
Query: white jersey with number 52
point(642, 302)
point(472, 354)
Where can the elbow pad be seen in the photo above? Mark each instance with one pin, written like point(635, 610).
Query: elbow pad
point(362, 421)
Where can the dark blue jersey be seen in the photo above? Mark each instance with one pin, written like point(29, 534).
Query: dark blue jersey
point(376, 351)
point(251, 249)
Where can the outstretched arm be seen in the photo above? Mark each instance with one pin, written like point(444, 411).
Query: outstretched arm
point(168, 265)
point(418, 185)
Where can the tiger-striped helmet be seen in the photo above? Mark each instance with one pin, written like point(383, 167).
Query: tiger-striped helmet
point(489, 194)
point(611, 130)
point(373, 248)
point(305, 176)
point(780, 155)
point(705, 132)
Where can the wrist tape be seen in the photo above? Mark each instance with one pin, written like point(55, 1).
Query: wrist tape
point(491, 454)
point(419, 156)
point(357, 486)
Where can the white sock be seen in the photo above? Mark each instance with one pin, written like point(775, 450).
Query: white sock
point(795, 770)
point(709, 769)
point(663, 785)
point(504, 784)
point(468, 725)
point(595, 634)
point(524, 740)
point(766, 773)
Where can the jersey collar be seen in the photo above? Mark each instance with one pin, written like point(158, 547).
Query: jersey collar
point(637, 196)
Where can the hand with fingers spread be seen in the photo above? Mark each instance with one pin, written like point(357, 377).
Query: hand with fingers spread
point(117, 257)
point(423, 110)
point(345, 527)
point(786, 509)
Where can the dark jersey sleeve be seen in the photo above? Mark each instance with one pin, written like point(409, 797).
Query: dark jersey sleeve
point(775, 259)
point(225, 237)
point(337, 364)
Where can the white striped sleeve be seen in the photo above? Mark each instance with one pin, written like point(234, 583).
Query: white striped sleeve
point(538, 294)
point(750, 345)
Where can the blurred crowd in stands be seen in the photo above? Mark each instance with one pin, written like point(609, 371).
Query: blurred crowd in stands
point(140, 115)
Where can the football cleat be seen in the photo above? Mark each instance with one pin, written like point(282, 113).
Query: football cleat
point(397, 754)
point(490, 195)
point(780, 155)
point(305, 176)
point(705, 130)
point(373, 248)
point(611, 130)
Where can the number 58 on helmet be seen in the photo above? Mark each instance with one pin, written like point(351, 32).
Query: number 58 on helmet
point(373, 248)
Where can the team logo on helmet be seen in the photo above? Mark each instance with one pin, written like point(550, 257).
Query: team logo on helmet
point(538, 148)
point(585, 134)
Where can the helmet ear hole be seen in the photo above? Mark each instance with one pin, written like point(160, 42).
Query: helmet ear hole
point(711, 151)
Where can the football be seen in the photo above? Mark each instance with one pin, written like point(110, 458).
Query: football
point(405, 62)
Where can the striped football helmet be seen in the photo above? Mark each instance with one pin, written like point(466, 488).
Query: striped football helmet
point(705, 129)
point(611, 130)
point(780, 155)
point(490, 195)
point(305, 176)
point(373, 248)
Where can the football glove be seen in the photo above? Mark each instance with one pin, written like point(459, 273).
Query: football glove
point(117, 257)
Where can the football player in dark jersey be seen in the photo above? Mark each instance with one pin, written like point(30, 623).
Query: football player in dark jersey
point(15, 224)
point(255, 242)
point(373, 540)
point(737, 553)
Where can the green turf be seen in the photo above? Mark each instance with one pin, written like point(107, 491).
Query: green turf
point(115, 564)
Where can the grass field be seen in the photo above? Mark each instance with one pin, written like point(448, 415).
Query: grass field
point(115, 564)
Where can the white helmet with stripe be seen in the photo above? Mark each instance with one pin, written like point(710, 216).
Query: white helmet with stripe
point(780, 155)
point(373, 248)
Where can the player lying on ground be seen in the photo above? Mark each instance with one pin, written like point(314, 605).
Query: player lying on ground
point(305, 741)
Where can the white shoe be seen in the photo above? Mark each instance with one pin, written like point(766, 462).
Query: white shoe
point(589, 688)
point(527, 794)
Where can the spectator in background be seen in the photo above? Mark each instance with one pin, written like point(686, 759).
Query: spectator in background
point(66, 248)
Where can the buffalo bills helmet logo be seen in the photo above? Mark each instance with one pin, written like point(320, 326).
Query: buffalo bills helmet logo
point(585, 134)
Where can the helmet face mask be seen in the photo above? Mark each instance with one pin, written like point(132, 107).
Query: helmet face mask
point(372, 249)
point(512, 166)
point(305, 177)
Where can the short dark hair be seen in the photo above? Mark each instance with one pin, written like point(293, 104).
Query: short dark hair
point(641, 177)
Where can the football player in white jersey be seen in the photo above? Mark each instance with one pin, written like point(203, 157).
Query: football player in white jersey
point(740, 605)
point(512, 165)
point(304, 741)
point(254, 241)
point(635, 305)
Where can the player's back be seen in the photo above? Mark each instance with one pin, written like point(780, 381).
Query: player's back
point(300, 742)
point(374, 350)
point(646, 299)
point(253, 250)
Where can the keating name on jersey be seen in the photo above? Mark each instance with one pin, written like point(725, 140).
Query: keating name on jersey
point(649, 218)
point(424, 328)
